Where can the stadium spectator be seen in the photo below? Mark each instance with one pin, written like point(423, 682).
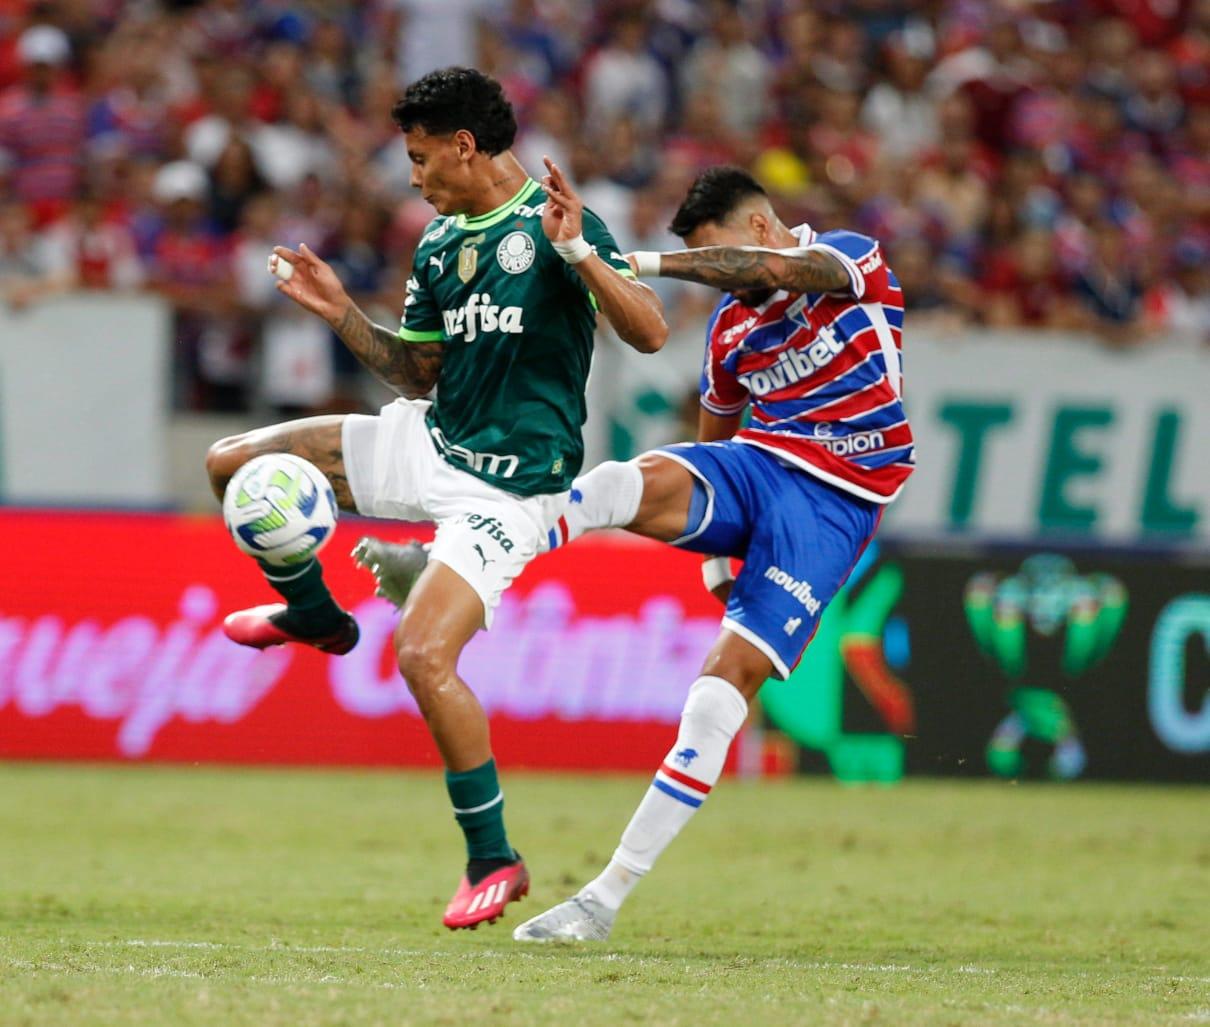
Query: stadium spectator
point(961, 132)
point(727, 66)
point(623, 79)
point(42, 125)
point(898, 110)
point(190, 266)
point(1109, 287)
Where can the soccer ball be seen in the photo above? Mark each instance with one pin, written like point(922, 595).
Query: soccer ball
point(280, 509)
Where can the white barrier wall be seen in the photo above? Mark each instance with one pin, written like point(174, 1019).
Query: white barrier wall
point(85, 401)
point(1019, 435)
point(1047, 436)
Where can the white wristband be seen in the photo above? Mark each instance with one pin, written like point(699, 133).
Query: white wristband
point(716, 571)
point(573, 250)
point(647, 263)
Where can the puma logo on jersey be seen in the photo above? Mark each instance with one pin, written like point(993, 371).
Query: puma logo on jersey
point(482, 555)
point(793, 365)
point(480, 315)
point(437, 260)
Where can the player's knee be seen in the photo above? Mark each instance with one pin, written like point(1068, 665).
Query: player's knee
point(745, 671)
point(424, 664)
point(224, 458)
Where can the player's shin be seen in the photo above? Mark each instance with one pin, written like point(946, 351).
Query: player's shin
point(478, 803)
point(310, 608)
point(713, 714)
point(608, 496)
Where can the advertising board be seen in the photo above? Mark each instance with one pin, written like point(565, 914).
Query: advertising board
point(121, 656)
point(1024, 662)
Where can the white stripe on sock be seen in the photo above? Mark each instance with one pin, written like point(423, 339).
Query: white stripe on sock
point(487, 805)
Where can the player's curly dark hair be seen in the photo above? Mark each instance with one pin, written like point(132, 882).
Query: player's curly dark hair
point(444, 101)
point(715, 193)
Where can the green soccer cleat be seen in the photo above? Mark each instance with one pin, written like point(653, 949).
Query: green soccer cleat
point(580, 918)
point(396, 568)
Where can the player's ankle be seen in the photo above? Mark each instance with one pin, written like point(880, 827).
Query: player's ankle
point(311, 621)
point(612, 886)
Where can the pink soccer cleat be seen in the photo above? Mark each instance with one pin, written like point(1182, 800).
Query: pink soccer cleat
point(255, 628)
point(474, 903)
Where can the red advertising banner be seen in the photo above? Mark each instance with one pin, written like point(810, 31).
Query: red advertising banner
point(111, 648)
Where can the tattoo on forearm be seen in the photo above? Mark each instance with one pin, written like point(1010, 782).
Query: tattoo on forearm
point(749, 267)
point(410, 368)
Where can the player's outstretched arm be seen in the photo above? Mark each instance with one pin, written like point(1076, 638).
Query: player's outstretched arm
point(634, 310)
point(409, 368)
point(732, 268)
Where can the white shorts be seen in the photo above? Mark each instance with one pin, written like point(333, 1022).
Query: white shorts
point(484, 535)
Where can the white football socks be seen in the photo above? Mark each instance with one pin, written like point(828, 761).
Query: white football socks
point(711, 718)
point(608, 496)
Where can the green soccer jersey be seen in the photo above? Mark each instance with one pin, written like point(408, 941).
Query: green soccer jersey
point(517, 324)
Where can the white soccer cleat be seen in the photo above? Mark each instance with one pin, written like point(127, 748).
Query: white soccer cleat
point(580, 918)
point(395, 567)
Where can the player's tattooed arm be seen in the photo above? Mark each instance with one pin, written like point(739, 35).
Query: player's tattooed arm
point(734, 268)
point(410, 368)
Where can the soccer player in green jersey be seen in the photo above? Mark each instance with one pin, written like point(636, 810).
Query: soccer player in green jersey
point(499, 319)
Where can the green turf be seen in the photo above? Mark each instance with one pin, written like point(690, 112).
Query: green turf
point(178, 896)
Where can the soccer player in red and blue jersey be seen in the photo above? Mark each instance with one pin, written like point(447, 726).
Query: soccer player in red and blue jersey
point(807, 339)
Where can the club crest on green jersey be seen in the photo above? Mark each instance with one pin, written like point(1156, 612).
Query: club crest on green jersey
point(516, 253)
point(468, 257)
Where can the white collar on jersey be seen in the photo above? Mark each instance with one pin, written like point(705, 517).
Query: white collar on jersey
point(804, 233)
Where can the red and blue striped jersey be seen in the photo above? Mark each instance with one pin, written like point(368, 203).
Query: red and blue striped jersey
point(822, 372)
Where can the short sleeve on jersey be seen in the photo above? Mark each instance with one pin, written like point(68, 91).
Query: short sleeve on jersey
point(421, 318)
point(860, 256)
point(601, 240)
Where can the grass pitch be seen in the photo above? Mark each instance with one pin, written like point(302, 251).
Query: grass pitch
point(178, 896)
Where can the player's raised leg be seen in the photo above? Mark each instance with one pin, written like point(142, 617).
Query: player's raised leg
point(309, 615)
point(650, 495)
point(799, 539)
point(441, 616)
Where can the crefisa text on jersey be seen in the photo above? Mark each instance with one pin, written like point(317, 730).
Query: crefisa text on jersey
point(480, 314)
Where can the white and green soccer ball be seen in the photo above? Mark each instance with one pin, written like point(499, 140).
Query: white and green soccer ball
point(280, 509)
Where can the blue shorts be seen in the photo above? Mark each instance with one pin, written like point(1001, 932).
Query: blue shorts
point(798, 536)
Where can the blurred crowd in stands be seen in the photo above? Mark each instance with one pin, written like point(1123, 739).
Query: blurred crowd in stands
point(1027, 164)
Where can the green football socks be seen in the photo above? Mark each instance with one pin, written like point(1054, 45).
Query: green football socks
point(310, 608)
point(479, 809)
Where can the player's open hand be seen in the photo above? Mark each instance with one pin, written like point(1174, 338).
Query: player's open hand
point(313, 284)
point(564, 216)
